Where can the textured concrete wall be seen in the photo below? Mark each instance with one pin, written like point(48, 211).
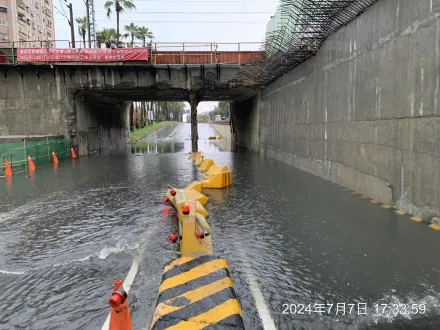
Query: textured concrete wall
point(245, 118)
point(33, 105)
point(100, 123)
point(50, 102)
point(364, 112)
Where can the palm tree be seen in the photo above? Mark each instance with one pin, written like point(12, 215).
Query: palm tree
point(82, 28)
point(119, 5)
point(131, 29)
point(107, 37)
point(143, 33)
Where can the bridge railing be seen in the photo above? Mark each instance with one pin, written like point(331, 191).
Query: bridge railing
point(159, 52)
point(204, 52)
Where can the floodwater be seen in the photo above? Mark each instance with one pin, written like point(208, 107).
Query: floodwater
point(289, 237)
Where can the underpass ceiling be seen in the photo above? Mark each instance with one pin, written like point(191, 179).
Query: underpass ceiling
point(118, 95)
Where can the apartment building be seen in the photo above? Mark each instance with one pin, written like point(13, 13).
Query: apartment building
point(27, 23)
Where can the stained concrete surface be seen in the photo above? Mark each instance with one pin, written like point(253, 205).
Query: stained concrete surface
point(364, 112)
point(90, 103)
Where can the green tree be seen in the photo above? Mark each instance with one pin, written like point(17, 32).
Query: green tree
point(142, 33)
point(131, 30)
point(221, 109)
point(107, 37)
point(119, 5)
point(82, 28)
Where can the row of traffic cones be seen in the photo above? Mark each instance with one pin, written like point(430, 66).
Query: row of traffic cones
point(31, 165)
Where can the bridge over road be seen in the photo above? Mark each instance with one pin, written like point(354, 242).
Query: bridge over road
point(45, 92)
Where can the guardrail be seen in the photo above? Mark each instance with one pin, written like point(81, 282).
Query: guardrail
point(160, 52)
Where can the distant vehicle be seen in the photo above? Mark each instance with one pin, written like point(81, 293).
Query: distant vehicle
point(184, 118)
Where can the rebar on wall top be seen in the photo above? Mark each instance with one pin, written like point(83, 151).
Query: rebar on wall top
point(303, 26)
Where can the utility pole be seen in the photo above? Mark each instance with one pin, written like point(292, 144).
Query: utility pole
point(88, 23)
point(72, 26)
point(70, 21)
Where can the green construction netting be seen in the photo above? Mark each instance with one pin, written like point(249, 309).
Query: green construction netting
point(40, 150)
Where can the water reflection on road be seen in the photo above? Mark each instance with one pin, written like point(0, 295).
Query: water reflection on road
point(287, 235)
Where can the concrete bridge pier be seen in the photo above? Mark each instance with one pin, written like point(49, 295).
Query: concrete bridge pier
point(194, 101)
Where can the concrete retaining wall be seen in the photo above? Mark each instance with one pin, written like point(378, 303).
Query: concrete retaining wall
point(364, 112)
point(224, 130)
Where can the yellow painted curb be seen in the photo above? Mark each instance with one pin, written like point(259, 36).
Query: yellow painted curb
point(435, 227)
point(400, 212)
point(416, 219)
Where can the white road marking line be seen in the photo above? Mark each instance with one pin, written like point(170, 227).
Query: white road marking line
point(126, 284)
point(260, 303)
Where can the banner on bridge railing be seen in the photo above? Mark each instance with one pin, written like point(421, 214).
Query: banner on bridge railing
point(81, 55)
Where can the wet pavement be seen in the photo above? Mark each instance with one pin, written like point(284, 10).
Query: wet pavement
point(291, 240)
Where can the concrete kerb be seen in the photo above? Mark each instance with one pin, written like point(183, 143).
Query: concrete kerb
point(400, 212)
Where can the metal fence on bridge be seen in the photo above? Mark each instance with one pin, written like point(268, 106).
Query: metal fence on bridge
point(169, 53)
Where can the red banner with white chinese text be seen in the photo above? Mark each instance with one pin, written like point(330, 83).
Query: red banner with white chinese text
point(81, 55)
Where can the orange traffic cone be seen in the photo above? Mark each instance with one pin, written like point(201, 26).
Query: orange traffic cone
point(8, 170)
point(72, 153)
point(8, 183)
point(32, 175)
point(31, 165)
point(119, 316)
point(54, 158)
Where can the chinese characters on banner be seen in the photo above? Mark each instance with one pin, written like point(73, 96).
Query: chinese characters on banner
point(81, 55)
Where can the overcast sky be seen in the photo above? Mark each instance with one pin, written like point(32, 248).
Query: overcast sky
point(198, 21)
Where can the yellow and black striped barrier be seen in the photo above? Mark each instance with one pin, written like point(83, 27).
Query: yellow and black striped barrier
point(196, 290)
point(197, 293)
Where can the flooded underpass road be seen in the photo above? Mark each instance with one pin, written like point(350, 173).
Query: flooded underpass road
point(289, 238)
